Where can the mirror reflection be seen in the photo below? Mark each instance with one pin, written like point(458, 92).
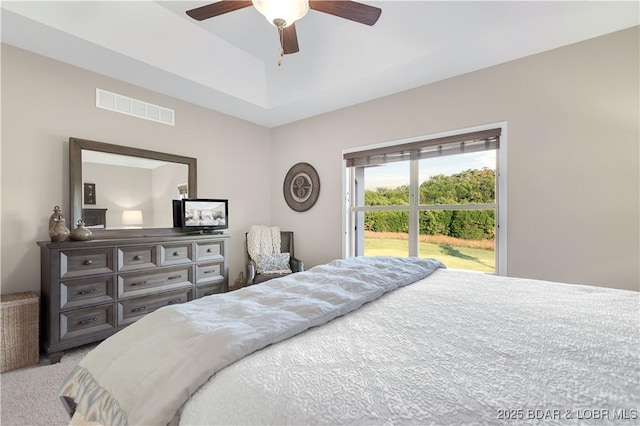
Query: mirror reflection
point(126, 192)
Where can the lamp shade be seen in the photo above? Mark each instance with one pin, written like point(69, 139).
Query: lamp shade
point(132, 218)
point(288, 11)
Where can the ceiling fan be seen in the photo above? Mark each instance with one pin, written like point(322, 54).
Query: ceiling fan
point(283, 14)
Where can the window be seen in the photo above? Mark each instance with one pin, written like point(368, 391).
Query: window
point(431, 197)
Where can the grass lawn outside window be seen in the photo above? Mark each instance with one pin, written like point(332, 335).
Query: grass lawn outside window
point(453, 252)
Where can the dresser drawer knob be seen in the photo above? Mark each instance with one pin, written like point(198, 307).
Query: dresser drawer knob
point(93, 290)
point(87, 321)
point(209, 250)
point(175, 277)
point(176, 253)
point(139, 308)
point(138, 283)
point(174, 301)
point(137, 257)
point(88, 261)
point(211, 271)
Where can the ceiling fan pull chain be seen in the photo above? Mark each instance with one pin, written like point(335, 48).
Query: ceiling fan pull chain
point(281, 32)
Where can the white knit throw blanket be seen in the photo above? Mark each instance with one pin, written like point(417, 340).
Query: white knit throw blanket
point(263, 239)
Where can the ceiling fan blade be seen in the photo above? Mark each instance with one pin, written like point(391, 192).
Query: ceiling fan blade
point(351, 10)
point(289, 39)
point(218, 8)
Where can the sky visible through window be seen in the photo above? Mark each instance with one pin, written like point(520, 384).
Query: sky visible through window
point(392, 175)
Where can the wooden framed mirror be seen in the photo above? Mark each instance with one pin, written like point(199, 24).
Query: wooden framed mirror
point(129, 190)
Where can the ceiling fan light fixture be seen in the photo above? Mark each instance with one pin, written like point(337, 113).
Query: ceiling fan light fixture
point(282, 13)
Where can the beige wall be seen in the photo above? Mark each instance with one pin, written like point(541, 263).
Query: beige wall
point(573, 157)
point(44, 102)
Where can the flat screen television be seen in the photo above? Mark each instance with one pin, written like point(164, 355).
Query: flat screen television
point(204, 215)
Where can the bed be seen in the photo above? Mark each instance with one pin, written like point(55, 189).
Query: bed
point(373, 341)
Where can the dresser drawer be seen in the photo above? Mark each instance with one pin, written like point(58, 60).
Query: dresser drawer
point(132, 309)
point(84, 322)
point(210, 250)
point(209, 289)
point(86, 292)
point(176, 254)
point(141, 284)
point(78, 263)
point(137, 257)
point(209, 272)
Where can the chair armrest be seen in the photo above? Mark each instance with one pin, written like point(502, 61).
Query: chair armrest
point(251, 272)
point(297, 265)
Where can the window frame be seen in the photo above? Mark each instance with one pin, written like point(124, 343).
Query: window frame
point(350, 244)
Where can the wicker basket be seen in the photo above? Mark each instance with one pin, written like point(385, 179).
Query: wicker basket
point(19, 323)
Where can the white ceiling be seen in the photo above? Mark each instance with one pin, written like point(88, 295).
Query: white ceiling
point(229, 63)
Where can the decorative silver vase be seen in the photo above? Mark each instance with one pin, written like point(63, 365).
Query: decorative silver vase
point(80, 233)
point(59, 231)
point(56, 213)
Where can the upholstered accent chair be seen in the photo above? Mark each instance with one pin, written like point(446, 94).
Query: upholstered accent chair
point(256, 273)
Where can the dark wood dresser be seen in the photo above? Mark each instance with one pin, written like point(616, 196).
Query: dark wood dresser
point(92, 289)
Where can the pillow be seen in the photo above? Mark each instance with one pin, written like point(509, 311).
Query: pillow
point(273, 263)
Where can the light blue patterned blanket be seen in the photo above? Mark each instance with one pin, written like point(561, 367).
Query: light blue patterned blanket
point(146, 372)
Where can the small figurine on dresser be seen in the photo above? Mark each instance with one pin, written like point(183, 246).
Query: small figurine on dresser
point(58, 230)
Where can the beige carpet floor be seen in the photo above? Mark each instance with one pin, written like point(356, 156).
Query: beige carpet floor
point(29, 395)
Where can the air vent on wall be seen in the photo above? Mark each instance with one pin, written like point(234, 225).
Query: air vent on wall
point(134, 107)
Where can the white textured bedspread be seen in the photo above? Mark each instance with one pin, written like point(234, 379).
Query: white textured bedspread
point(457, 348)
point(143, 374)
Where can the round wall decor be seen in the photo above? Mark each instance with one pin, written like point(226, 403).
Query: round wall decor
point(301, 187)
